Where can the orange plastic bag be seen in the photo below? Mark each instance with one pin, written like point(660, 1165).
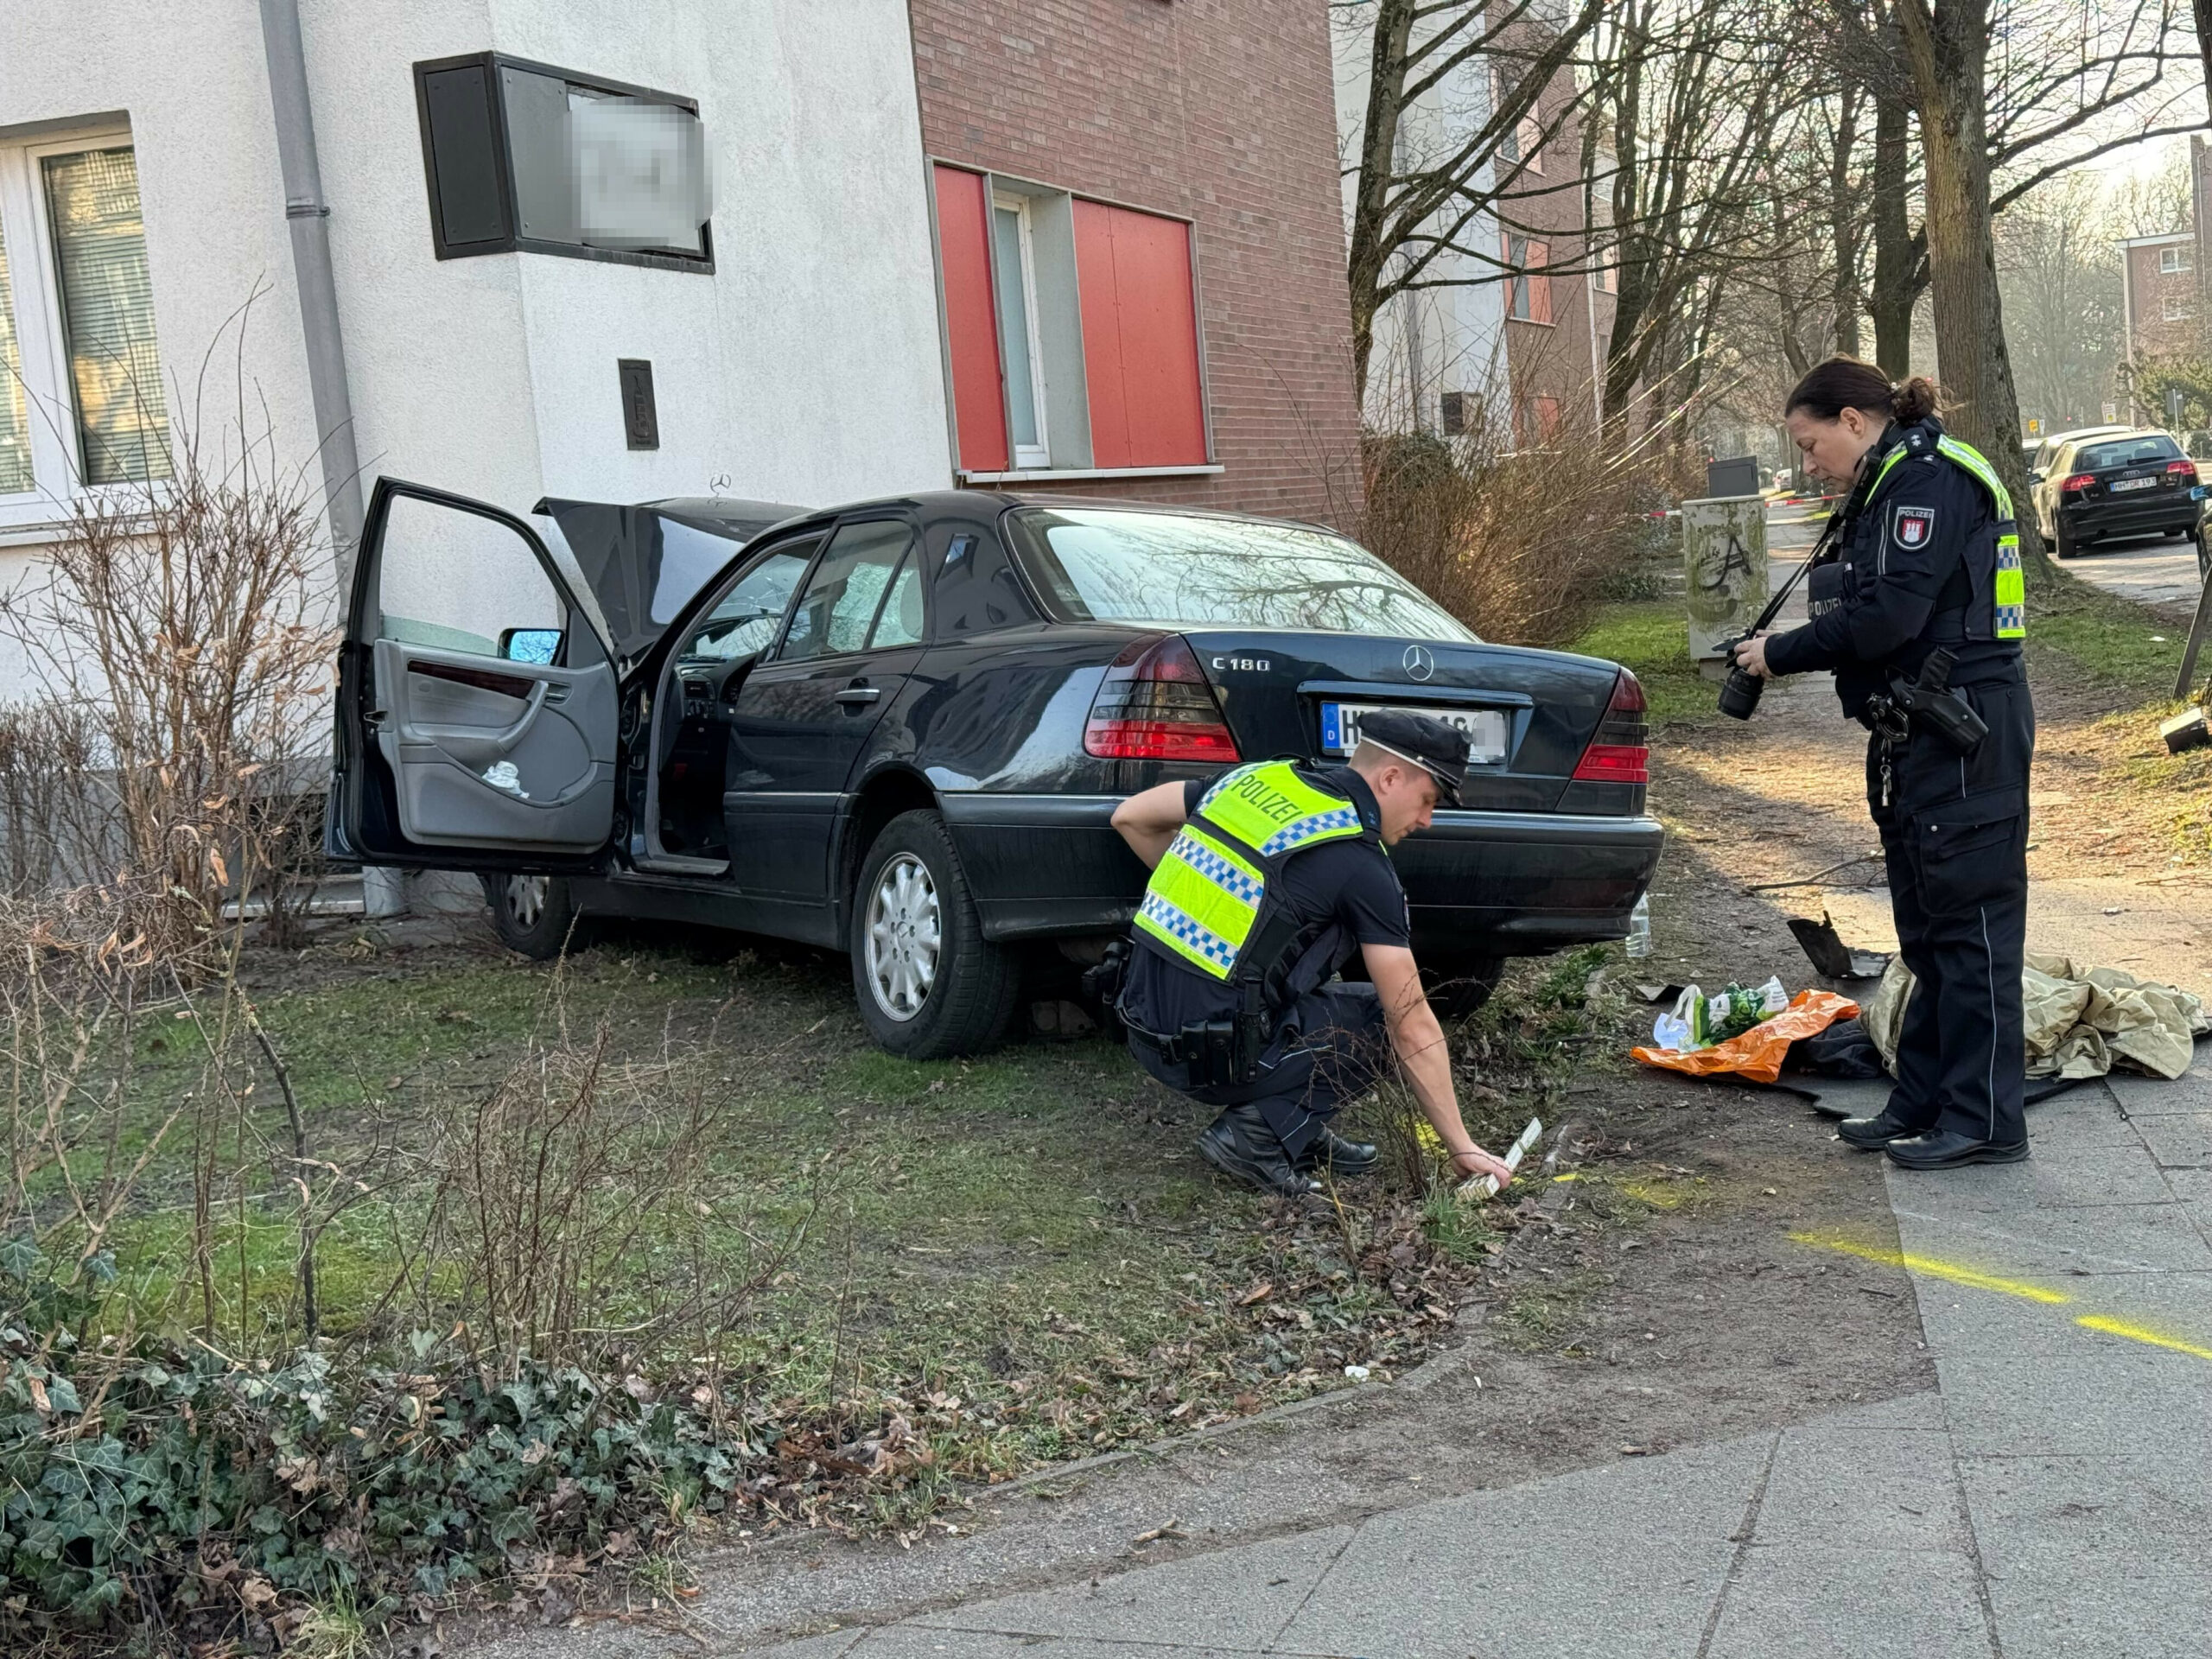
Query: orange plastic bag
point(1757, 1053)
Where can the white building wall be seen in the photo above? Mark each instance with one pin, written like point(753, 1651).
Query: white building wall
point(807, 368)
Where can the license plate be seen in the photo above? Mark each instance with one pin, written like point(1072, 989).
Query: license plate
point(2120, 484)
point(1483, 728)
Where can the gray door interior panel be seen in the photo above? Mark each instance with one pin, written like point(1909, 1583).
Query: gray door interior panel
point(488, 753)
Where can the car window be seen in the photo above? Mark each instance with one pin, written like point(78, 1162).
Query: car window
point(744, 619)
point(840, 602)
point(900, 622)
point(977, 589)
point(2126, 452)
point(1187, 570)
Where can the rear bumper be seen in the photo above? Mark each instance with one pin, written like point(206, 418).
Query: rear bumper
point(1478, 883)
point(2161, 510)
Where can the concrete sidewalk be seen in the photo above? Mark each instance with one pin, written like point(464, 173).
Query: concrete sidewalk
point(2053, 1497)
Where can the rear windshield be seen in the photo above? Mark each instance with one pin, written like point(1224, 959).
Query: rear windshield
point(2125, 452)
point(1182, 571)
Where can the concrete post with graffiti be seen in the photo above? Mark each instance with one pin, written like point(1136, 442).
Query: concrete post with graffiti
point(1723, 553)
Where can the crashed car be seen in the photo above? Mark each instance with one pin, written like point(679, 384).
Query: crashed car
point(900, 729)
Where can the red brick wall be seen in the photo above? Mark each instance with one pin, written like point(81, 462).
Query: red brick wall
point(1222, 111)
point(2150, 288)
point(1556, 361)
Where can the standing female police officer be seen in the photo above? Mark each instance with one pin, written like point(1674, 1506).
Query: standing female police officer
point(1927, 557)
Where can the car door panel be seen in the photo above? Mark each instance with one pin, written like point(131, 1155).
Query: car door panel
point(510, 755)
point(453, 748)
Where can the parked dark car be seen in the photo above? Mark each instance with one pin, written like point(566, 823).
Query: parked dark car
point(2111, 485)
point(900, 728)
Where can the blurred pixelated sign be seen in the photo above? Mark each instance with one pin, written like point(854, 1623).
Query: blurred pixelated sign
point(524, 157)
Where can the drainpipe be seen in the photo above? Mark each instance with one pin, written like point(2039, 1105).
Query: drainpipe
point(308, 217)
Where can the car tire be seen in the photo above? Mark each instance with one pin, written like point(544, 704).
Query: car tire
point(929, 984)
point(2062, 545)
point(1458, 990)
point(534, 915)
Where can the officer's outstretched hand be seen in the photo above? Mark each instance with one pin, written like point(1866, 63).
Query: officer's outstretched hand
point(1476, 1162)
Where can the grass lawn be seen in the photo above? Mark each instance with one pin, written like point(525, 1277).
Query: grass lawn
point(1025, 1246)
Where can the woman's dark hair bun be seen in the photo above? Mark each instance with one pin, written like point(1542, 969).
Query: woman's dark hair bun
point(1914, 399)
point(1842, 383)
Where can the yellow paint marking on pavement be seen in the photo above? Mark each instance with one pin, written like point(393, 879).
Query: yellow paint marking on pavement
point(1932, 1267)
point(2113, 1327)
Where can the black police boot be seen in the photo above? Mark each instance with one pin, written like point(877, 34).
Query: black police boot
point(1948, 1149)
point(1872, 1134)
point(1239, 1144)
point(1343, 1157)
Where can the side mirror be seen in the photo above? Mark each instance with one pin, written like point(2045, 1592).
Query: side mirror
point(538, 645)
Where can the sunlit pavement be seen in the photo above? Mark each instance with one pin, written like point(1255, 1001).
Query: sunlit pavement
point(2050, 1498)
point(2162, 572)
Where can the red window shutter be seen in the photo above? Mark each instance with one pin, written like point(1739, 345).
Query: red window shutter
point(963, 250)
point(1139, 338)
point(1540, 286)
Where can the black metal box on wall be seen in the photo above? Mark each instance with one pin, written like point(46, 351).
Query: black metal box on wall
point(523, 157)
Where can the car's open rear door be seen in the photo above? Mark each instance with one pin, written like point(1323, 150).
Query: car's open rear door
point(477, 699)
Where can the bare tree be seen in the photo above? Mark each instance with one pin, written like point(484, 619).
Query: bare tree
point(1415, 201)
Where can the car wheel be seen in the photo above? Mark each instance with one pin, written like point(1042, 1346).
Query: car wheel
point(1458, 990)
point(533, 914)
point(2062, 545)
point(930, 985)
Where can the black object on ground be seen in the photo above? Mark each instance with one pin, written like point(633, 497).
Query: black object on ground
point(2186, 730)
point(1830, 955)
point(1844, 1050)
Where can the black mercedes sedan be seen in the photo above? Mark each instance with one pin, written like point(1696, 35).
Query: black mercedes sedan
point(900, 729)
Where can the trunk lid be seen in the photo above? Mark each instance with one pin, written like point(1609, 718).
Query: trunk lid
point(1543, 708)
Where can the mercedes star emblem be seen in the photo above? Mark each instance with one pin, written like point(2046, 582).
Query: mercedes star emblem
point(1418, 663)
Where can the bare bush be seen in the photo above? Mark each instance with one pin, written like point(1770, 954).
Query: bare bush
point(179, 637)
point(552, 1186)
point(1518, 542)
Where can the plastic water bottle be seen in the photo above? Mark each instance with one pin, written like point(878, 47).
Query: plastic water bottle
point(1639, 928)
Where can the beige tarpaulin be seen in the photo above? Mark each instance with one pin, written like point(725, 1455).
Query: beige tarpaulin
point(2080, 1021)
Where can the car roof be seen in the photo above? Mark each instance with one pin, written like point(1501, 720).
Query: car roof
point(725, 510)
point(983, 503)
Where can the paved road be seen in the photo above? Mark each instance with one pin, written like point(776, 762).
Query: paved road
point(2052, 1496)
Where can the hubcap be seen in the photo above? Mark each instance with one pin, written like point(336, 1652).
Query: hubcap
point(905, 933)
point(526, 899)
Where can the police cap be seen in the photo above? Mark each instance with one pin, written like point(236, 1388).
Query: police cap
point(1438, 747)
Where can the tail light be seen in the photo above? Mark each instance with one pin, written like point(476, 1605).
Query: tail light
point(2181, 471)
point(1156, 705)
point(1618, 753)
point(2079, 481)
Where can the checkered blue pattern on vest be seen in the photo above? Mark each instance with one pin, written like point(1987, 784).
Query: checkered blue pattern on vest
point(1204, 941)
point(1217, 869)
point(1306, 827)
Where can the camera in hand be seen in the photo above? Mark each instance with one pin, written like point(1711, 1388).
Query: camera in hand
point(1740, 692)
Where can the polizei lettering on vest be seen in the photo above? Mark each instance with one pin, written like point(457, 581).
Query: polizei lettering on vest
point(1253, 792)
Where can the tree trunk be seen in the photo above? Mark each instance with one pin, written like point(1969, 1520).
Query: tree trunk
point(1378, 152)
point(1894, 293)
point(1947, 51)
point(1843, 224)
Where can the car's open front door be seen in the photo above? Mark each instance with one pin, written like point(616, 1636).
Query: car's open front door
point(477, 700)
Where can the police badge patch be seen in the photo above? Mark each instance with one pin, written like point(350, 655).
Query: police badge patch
point(1913, 527)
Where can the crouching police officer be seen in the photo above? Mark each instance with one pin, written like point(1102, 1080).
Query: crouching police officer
point(1264, 882)
point(1925, 577)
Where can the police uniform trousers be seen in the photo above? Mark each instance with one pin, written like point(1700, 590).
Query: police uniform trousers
point(1332, 1046)
point(1954, 835)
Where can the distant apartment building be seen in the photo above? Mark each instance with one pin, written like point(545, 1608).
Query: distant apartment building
point(2160, 295)
point(1510, 339)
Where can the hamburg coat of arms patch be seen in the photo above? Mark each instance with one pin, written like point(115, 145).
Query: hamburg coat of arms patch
point(1913, 527)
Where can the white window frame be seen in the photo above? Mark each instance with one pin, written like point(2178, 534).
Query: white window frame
point(1026, 456)
point(2172, 262)
point(49, 390)
point(2178, 309)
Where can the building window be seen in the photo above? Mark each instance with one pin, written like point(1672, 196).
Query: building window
point(2178, 309)
point(1454, 414)
point(1529, 293)
point(1539, 420)
point(82, 398)
point(2171, 260)
point(1014, 282)
point(1071, 330)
